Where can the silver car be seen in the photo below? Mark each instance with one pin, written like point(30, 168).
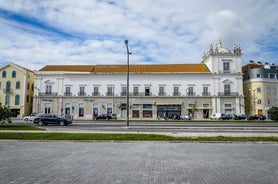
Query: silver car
point(30, 117)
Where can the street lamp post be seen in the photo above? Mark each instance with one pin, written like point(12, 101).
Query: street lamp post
point(127, 84)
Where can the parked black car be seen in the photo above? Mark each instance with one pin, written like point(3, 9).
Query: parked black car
point(242, 117)
point(174, 117)
point(45, 119)
point(256, 117)
point(103, 116)
point(231, 117)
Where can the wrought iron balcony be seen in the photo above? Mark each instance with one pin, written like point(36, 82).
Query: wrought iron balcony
point(7, 90)
point(48, 93)
point(176, 94)
point(81, 94)
point(109, 94)
point(162, 94)
point(206, 94)
point(228, 94)
point(191, 94)
point(95, 94)
point(67, 94)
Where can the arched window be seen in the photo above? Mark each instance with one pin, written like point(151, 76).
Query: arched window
point(8, 86)
point(7, 100)
point(17, 85)
point(14, 74)
point(4, 74)
point(17, 98)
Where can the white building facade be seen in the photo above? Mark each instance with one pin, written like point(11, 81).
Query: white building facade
point(84, 91)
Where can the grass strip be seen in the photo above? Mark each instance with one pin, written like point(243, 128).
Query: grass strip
point(18, 127)
point(128, 137)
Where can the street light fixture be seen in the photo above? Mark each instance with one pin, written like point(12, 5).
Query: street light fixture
point(127, 84)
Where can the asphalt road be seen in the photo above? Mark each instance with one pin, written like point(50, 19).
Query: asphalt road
point(71, 162)
point(175, 128)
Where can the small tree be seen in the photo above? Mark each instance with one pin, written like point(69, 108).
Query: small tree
point(273, 113)
point(194, 109)
point(5, 113)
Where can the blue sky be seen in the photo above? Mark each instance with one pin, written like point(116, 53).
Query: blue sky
point(38, 33)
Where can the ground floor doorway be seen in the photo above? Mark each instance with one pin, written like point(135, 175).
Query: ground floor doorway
point(15, 112)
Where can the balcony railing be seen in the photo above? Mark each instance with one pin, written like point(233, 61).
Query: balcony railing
point(67, 94)
point(123, 93)
point(228, 94)
point(95, 94)
point(162, 94)
point(81, 94)
point(48, 93)
point(176, 94)
point(7, 90)
point(109, 94)
point(206, 94)
point(191, 94)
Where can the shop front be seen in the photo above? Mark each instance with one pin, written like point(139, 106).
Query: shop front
point(166, 111)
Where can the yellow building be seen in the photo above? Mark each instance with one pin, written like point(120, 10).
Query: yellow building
point(16, 89)
point(260, 85)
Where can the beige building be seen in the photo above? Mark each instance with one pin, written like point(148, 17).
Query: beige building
point(260, 84)
point(16, 89)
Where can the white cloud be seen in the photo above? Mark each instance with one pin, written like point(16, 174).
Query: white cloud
point(165, 31)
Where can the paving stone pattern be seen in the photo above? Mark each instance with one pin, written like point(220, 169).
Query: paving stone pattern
point(69, 162)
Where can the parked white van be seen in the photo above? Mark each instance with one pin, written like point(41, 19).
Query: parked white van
point(217, 116)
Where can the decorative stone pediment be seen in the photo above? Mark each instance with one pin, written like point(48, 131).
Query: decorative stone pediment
point(227, 81)
point(49, 82)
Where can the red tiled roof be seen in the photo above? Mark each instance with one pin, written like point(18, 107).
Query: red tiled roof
point(108, 69)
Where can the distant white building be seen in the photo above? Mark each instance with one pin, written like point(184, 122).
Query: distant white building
point(83, 91)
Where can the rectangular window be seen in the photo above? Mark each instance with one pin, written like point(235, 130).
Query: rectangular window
point(176, 91)
point(228, 105)
point(109, 109)
point(190, 91)
point(227, 89)
point(96, 91)
point(205, 105)
point(124, 91)
point(68, 91)
point(226, 67)
point(147, 91)
point(95, 109)
point(161, 91)
point(48, 89)
point(259, 101)
point(82, 91)
point(258, 75)
point(110, 91)
point(271, 76)
point(205, 91)
point(147, 111)
point(147, 114)
point(81, 110)
point(259, 90)
point(135, 90)
point(135, 114)
point(147, 106)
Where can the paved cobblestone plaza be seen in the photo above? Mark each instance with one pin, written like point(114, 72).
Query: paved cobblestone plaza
point(68, 162)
